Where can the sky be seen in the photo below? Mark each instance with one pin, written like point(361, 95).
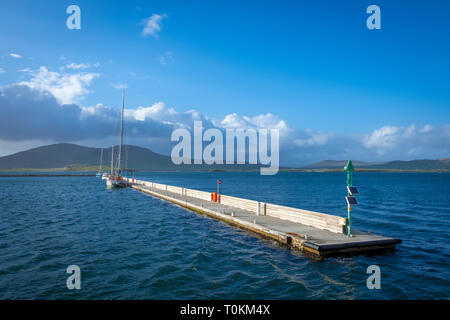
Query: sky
point(312, 69)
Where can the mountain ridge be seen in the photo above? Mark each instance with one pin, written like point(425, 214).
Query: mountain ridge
point(418, 164)
point(69, 155)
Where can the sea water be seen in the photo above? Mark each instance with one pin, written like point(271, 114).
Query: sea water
point(129, 245)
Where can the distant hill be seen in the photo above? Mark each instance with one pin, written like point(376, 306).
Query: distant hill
point(74, 157)
point(63, 155)
point(425, 164)
point(337, 164)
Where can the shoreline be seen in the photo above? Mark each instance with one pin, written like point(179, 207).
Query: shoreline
point(85, 170)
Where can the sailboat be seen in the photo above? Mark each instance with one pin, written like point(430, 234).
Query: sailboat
point(98, 175)
point(105, 175)
point(116, 180)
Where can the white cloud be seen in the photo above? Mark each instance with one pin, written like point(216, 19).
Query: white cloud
point(2, 70)
point(15, 55)
point(233, 121)
point(166, 58)
point(399, 140)
point(409, 131)
point(80, 66)
point(120, 86)
point(159, 112)
point(100, 111)
point(25, 70)
point(268, 120)
point(383, 138)
point(153, 24)
point(320, 139)
point(426, 128)
point(66, 88)
point(77, 66)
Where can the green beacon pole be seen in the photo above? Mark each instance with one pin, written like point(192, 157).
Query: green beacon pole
point(349, 168)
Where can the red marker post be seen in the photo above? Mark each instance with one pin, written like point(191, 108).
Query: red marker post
point(219, 182)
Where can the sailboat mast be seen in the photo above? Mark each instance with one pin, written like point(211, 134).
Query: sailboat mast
point(112, 160)
point(101, 162)
point(119, 165)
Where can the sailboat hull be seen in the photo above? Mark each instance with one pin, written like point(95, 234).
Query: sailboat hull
point(114, 183)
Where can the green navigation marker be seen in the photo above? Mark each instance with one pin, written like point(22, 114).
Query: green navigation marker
point(349, 168)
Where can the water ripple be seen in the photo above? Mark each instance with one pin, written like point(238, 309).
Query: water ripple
point(132, 246)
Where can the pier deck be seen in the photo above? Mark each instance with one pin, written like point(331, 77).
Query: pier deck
point(312, 241)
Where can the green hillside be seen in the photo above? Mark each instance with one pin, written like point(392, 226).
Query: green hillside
point(426, 164)
point(412, 165)
point(78, 158)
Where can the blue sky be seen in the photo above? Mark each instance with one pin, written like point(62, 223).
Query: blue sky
point(312, 64)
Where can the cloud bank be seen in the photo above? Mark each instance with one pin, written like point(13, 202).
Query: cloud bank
point(47, 108)
point(66, 88)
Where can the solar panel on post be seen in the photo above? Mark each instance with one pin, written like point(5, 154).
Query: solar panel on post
point(353, 191)
point(351, 201)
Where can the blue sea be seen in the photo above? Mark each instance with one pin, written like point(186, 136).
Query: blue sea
point(129, 245)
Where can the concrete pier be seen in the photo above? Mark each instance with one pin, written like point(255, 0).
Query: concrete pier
point(319, 235)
